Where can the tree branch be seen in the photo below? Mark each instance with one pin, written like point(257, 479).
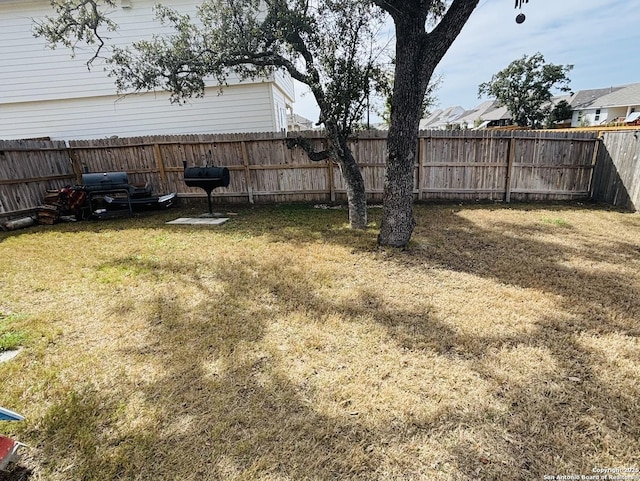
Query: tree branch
point(443, 35)
point(305, 144)
point(80, 21)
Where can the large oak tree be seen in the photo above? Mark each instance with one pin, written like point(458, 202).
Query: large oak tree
point(425, 29)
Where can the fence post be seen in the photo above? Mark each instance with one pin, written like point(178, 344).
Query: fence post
point(247, 172)
point(594, 160)
point(160, 163)
point(75, 165)
point(511, 154)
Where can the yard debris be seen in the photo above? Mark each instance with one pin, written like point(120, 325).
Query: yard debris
point(18, 223)
point(47, 214)
point(61, 204)
point(57, 205)
point(8, 452)
point(8, 447)
point(8, 355)
point(326, 206)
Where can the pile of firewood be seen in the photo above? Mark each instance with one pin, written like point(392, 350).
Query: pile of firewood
point(63, 204)
point(51, 209)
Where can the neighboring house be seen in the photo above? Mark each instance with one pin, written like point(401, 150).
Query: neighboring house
point(491, 114)
point(46, 93)
point(619, 104)
point(441, 119)
point(475, 117)
point(297, 123)
point(592, 107)
point(498, 117)
point(487, 114)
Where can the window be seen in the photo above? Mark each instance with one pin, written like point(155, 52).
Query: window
point(282, 120)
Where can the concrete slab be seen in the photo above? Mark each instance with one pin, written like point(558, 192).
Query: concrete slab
point(199, 221)
point(8, 355)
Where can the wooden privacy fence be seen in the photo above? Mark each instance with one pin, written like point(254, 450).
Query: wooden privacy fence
point(505, 165)
point(450, 165)
point(617, 174)
point(28, 169)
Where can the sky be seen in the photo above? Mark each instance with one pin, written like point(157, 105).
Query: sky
point(600, 38)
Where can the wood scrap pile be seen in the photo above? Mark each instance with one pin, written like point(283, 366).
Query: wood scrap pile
point(63, 204)
point(49, 211)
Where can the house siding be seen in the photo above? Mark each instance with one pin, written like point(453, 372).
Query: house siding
point(29, 70)
point(244, 108)
point(588, 117)
point(47, 93)
point(285, 83)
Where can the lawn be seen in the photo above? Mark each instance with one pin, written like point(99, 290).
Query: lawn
point(502, 344)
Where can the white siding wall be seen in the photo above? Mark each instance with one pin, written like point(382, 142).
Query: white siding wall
point(31, 71)
point(607, 114)
point(285, 83)
point(47, 93)
point(590, 117)
point(242, 108)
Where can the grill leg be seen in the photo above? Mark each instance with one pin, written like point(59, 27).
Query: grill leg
point(209, 202)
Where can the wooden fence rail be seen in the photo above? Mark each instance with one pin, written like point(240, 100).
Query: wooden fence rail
point(450, 165)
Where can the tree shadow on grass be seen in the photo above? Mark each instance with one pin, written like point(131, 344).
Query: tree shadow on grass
point(559, 421)
point(585, 410)
point(219, 406)
point(600, 298)
point(222, 403)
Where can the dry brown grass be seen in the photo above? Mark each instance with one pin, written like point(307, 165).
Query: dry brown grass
point(502, 345)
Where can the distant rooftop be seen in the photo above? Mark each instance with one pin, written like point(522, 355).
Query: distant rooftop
point(490, 110)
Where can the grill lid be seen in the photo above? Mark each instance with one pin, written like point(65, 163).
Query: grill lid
point(207, 177)
point(105, 181)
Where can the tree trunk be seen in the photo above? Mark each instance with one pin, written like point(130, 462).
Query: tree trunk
point(417, 54)
point(340, 151)
point(411, 81)
point(356, 194)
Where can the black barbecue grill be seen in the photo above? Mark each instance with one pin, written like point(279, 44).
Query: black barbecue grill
point(114, 193)
point(101, 184)
point(113, 181)
point(207, 178)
